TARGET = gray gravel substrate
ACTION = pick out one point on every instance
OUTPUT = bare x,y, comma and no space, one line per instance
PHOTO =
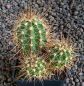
66,16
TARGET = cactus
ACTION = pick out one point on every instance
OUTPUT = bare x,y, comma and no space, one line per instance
37,69
61,55
34,67
34,40
31,36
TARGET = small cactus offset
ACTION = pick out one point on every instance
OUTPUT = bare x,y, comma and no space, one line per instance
61,55
34,68
31,36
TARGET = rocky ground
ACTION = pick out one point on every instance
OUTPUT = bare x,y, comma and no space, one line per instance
65,16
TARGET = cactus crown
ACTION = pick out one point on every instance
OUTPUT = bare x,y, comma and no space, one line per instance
31,36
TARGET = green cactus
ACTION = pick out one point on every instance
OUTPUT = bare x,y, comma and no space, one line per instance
37,69
31,36
34,67
61,55
60,58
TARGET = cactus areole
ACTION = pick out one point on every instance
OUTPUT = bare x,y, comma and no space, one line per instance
31,36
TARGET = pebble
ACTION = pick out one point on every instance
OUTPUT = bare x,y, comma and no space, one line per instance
67,80
80,73
77,80
73,83
8,6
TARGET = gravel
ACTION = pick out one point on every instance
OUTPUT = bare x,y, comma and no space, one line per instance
65,16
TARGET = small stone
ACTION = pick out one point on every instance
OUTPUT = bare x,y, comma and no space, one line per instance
51,18
75,66
77,80
67,80
8,6
80,73
76,17
3,25
73,83
76,12
71,78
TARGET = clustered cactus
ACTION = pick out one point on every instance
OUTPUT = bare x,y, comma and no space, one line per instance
31,38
